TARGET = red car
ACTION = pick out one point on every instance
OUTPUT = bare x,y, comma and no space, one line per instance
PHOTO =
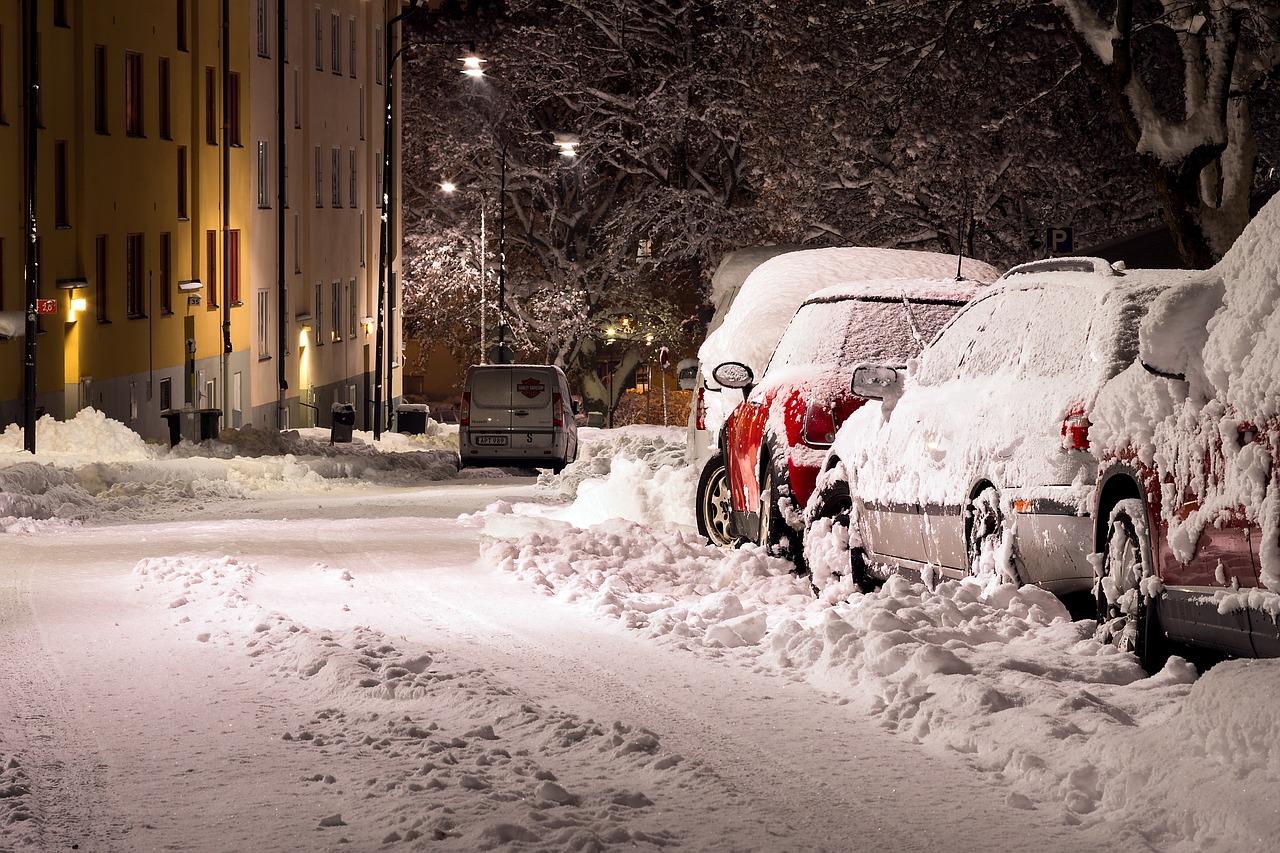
1188,498
774,441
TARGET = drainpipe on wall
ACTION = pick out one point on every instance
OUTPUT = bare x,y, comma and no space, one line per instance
226,211
282,286
31,88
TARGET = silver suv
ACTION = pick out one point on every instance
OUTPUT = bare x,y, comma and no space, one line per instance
977,460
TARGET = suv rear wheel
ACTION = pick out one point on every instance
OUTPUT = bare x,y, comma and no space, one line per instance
834,557
1126,614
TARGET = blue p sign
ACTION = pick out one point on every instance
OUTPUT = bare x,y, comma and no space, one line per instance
1060,240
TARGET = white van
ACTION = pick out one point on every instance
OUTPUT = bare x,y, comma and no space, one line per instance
517,414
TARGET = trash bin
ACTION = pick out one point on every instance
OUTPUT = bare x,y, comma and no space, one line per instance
194,425
411,418
595,419
344,420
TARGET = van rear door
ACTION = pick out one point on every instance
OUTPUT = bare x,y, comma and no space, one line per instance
531,395
490,400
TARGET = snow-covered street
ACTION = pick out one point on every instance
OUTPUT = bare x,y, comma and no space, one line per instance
315,651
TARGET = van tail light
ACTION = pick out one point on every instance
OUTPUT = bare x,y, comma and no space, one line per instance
464,416
819,429
1075,430
557,410
701,422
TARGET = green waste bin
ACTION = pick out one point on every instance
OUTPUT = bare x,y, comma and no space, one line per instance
343,422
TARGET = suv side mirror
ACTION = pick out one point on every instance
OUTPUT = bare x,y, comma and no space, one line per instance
876,382
734,374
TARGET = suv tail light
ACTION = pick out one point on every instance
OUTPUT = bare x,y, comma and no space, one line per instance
464,414
557,409
1075,430
701,422
819,428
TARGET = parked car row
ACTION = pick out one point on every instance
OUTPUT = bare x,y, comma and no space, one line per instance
1077,425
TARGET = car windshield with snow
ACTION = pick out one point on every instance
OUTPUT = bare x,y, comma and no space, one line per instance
979,461
774,441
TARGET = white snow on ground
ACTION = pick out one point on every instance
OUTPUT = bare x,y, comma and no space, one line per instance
999,676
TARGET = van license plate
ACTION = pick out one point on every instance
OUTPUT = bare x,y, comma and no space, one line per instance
490,440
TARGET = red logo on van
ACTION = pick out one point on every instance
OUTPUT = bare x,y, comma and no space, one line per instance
531,388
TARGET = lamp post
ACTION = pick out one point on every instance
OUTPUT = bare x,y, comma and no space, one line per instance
471,66
450,188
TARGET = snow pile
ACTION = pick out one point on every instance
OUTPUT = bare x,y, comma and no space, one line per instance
666,584
94,467
636,472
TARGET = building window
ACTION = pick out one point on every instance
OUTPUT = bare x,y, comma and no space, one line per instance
100,88
162,87
335,163
182,182
133,261
166,273
297,244
233,107
377,55
363,238
335,42
181,19
284,51
319,178
377,178
264,177
362,112
351,40
297,99
166,394
319,39
352,305
60,13
319,314
210,106
284,175
264,324
211,268
100,282
233,266
337,311
351,162
61,206
133,93
264,49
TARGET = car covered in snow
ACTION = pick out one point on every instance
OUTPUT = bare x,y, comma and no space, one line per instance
977,460
757,292
774,441
1188,498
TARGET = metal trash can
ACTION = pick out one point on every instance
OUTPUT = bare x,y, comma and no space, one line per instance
343,421
411,418
194,425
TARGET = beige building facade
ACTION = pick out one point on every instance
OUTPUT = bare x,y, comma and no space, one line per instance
193,261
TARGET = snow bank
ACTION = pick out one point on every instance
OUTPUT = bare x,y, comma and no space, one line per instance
92,467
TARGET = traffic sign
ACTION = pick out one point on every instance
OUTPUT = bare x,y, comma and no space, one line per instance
1060,239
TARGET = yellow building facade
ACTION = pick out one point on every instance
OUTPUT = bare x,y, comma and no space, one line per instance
159,209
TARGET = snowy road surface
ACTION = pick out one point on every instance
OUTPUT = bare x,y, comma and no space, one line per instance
342,673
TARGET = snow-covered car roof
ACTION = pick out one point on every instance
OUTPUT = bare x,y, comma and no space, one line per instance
777,287
948,290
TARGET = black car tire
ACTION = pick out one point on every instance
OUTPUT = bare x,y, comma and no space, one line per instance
712,505
1127,617
833,502
776,536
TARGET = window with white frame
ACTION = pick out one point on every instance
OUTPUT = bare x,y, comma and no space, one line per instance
319,178
264,48
377,55
319,314
337,310
264,178
335,169
351,39
335,42
351,162
352,305
264,323
319,39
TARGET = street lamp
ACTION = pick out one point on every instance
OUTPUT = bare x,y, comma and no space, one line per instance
470,62
449,188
